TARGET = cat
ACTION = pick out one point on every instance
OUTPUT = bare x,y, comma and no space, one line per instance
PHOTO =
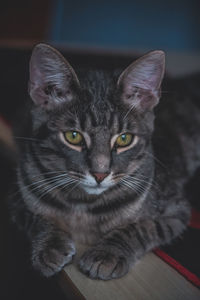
97,169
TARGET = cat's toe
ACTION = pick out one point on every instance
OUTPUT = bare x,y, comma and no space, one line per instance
103,265
50,260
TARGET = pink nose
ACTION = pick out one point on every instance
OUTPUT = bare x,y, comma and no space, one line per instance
100,176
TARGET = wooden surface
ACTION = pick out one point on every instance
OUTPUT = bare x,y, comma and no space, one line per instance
151,279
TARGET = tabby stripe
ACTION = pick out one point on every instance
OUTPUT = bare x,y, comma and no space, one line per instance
114,205
141,236
111,120
121,124
120,240
159,230
170,230
48,199
83,121
140,239
144,233
39,165
127,231
120,244
92,118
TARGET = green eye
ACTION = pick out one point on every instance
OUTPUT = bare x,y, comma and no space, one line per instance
73,137
124,139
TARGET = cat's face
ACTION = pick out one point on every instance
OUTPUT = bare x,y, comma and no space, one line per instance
98,125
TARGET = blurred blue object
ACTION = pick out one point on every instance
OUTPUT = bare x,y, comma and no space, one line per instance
128,24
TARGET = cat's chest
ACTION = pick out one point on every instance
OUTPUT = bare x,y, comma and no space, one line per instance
83,227
86,228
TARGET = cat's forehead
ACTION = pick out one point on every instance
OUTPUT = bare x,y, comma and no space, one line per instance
98,108
97,80
96,119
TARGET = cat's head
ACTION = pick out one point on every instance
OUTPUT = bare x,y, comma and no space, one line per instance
97,125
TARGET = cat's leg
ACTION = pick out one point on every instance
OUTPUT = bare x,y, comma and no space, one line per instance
121,248
51,247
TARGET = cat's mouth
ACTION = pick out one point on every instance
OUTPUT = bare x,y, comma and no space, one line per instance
91,187
96,190
88,183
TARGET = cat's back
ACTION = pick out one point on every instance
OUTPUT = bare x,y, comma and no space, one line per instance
177,125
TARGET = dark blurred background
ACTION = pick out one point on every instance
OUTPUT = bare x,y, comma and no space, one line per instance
92,34
114,26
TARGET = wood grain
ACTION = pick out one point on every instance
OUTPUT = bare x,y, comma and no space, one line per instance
151,278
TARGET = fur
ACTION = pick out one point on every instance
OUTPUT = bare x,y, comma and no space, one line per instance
141,203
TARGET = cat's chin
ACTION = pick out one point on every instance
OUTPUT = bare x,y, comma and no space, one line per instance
94,190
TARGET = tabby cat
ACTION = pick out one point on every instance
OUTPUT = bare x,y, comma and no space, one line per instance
93,169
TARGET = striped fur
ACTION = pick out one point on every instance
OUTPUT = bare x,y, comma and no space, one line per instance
142,204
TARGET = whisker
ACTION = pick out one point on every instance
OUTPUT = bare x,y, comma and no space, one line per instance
54,187
138,183
45,187
50,172
131,108
124,182
78,183
48,180
44,183
137,178
77,174
137,186
68,184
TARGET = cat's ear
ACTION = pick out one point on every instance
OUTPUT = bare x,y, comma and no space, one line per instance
140,82
52,79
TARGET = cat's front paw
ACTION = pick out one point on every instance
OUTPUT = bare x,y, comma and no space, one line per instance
50,256
103,264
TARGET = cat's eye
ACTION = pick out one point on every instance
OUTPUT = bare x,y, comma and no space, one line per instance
73,137
124,140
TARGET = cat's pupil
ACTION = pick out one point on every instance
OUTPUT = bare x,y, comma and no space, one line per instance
74,134
123,137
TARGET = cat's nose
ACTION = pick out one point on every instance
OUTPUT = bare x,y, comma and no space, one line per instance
100,176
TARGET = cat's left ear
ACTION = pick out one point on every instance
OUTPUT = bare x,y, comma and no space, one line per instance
52,79
140,82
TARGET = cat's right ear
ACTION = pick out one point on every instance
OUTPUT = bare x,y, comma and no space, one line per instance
52,79
140,82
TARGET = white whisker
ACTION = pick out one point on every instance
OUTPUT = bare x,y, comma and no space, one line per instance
44,183
124,182
54,187
133,107
46,180
78,183
149,182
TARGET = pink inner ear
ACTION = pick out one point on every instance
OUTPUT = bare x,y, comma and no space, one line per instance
141,99
37,85
144,77
141,82
38,95
145,73
35,75
149,99
49,68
